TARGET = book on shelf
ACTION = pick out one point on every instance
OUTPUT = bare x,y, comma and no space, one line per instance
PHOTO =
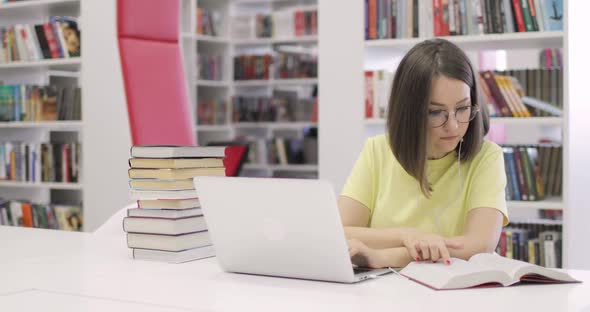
175,204
174,151
207,22
533,171
57,38
377,88
288,22
39,103
40,162
168,242
550,58
164,226
544,84
283,106
210,67
164,213
174,257
484,269
212,112
535,243
385,19
286,66
174,163
39,215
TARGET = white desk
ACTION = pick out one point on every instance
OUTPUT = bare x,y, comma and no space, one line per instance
42,270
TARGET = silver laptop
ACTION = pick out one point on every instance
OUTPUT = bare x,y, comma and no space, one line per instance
278,227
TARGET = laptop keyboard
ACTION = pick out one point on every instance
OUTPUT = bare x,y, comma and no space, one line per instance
359,270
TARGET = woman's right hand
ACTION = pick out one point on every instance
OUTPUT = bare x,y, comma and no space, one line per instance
427,246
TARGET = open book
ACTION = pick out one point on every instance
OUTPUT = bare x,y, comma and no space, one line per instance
481,270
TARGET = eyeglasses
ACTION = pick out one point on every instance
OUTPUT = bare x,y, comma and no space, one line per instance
464,114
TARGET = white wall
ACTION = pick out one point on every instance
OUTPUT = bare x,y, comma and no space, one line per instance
577,158
341,50
106,137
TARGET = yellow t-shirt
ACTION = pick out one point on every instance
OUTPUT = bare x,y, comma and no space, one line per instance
395,200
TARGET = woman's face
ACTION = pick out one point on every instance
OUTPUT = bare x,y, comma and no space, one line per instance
447,97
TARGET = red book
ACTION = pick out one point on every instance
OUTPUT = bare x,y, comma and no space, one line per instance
369,101
518,16
51,41
547,58
299,23
488,77
437,17
503,244
444,16
372,19
314,23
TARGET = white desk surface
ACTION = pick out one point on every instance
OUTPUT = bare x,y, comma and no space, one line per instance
47,270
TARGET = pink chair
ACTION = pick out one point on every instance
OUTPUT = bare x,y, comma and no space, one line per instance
153,72
154,77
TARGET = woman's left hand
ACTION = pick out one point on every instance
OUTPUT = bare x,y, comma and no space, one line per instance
364,256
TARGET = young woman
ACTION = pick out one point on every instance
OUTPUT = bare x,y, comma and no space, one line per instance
431,188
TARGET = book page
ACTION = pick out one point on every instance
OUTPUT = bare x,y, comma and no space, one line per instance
511,267
459,274
519,270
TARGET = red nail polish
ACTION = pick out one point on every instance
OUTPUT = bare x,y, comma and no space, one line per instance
448,262
433,261
418,259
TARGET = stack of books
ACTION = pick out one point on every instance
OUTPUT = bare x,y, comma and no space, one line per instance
168,224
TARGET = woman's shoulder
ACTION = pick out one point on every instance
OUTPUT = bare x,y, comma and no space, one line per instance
378,143
489,148
489,152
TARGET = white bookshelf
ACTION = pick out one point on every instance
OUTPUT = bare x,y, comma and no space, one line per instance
267,41
225,44
43,72
528,40
212,83
555,203
73,125
66,64
31,5
528,121
206,38
274,125
42,185
275,82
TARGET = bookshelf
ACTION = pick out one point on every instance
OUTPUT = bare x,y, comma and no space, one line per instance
525,121
227,44
60,72
342,90
527,40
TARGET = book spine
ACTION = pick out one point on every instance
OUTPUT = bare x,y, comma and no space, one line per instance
517,9
521,179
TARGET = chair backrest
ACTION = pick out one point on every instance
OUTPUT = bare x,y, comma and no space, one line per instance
153,72
154,77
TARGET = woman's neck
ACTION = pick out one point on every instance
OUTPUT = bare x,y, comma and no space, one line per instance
435,156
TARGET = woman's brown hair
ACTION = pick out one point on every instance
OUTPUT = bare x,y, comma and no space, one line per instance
407,124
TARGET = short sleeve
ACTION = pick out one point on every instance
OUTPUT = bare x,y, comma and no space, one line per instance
488,184
360,183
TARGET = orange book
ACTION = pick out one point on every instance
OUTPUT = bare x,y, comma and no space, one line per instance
199,21
509,101
517,99
27,210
